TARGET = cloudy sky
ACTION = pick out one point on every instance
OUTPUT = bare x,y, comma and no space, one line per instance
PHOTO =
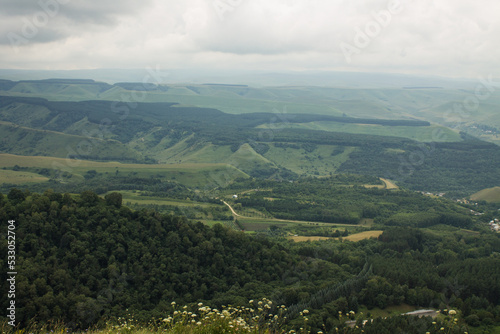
457,38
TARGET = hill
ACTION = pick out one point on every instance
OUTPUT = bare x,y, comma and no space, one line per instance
266,145
489,195
443,103
26,141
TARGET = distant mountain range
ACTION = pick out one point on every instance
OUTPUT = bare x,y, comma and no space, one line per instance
245,77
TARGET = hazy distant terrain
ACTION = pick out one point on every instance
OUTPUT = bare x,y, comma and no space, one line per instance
274,132
445,105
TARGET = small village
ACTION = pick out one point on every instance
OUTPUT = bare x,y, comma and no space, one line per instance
495,225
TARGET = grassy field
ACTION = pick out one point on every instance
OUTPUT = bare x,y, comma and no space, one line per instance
19,177
389,184
388,311
363,235
251,225
353,237
27,141
489,195
303,239
444,230
320,161
201,175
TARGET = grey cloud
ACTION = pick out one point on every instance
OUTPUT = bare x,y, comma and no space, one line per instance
58,19
446,36
19,7
102,12
16,38
79,10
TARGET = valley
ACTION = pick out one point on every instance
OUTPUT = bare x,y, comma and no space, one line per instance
309,197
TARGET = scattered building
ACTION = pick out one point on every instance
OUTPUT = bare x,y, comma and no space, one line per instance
495,225
423,313
426,193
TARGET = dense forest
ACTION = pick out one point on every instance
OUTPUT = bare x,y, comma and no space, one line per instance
82,258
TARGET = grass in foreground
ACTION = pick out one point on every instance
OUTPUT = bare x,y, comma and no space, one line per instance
260,317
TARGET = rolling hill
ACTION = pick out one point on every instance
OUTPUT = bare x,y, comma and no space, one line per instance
491,195
281,144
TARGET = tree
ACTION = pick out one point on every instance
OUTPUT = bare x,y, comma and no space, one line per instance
16,195
114,199
89,198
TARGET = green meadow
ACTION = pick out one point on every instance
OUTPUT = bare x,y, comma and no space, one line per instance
196,175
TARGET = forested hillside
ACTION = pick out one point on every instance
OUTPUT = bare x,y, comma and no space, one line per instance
83,258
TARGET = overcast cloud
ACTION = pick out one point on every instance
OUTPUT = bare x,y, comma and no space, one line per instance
456,38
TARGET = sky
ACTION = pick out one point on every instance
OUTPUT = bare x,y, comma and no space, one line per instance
451,38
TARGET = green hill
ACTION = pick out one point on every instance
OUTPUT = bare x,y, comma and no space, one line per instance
268,145
489,195
436,105
25,141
